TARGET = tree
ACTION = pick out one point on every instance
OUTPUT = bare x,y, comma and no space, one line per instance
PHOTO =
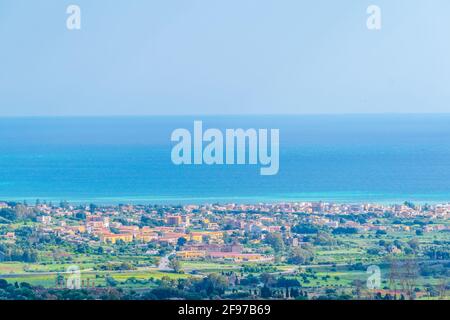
80,216
3,284
8,214
100,250
414,244
409,205
275,241
266,292
92,207
304,229
60,281
175,264
287,283
301,256
343,230
267,279
181,241
359,286
110,281
324,239
213,284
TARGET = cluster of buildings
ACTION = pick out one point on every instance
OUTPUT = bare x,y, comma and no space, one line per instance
219,231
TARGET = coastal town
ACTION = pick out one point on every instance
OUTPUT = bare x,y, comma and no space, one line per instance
299,242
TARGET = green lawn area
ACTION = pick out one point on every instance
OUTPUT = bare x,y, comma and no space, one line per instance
204,266
48,280
155,274
11,267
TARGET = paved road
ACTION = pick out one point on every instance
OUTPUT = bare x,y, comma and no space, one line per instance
164,262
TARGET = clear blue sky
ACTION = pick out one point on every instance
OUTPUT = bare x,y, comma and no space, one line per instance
223,57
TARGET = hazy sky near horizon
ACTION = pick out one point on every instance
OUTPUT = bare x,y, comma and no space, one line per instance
223,57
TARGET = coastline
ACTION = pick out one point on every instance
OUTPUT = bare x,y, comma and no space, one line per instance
338,198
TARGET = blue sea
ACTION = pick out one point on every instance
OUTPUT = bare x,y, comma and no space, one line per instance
341,158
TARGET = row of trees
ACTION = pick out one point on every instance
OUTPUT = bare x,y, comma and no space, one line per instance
12,252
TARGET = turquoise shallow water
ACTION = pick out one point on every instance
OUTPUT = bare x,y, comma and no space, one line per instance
351,158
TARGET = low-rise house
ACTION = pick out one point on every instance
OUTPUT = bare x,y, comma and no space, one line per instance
113,238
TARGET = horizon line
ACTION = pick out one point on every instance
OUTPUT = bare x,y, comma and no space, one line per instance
227,115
